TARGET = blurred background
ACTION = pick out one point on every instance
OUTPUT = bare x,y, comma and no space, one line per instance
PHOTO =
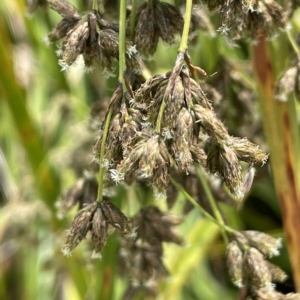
46,140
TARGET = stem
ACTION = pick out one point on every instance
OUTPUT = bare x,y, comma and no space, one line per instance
122,67
212,202
95,5
293,42
132,19
282,133
122,42
186,27
203,211
182,49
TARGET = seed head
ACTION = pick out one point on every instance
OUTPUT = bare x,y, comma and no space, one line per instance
251,18
99,231
256,270
223,160
277,274
115,217
266,244
79,228
234,258
155,20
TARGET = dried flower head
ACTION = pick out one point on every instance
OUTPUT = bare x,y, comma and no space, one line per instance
251,17
247,264
165,126
95,217
256,270
266,244
99,231
154,20
115,217
148,158
235,263
80,227
90,36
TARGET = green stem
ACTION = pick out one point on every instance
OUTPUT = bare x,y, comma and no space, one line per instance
122,42
95,5
182,49
122,67
212,202
132,19
203,211
293,42
186,27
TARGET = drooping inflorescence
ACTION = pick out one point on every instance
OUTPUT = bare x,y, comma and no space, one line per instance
166,126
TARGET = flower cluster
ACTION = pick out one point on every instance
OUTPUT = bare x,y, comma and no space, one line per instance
95,218
90,36
248,267
171,124
249,18
154,20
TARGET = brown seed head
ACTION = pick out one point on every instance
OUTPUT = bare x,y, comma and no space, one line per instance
99,231
146,35
223,160
79,228
64,8
115,217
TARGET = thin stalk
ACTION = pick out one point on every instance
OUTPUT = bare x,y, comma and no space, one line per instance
293,42
133,18
122,41
186,27
182,49
122,67
212,203
95,5
203,211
